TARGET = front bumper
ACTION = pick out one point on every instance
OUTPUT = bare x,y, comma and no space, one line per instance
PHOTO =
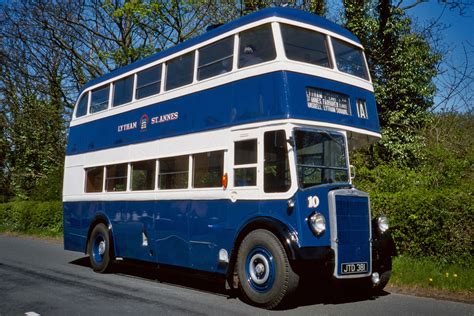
320,260
314,260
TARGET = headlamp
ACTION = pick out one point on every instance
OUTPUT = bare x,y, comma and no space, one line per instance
382,223
317,224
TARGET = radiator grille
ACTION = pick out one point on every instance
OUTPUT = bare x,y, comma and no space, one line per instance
353,230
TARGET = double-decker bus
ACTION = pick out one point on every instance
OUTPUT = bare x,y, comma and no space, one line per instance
229,154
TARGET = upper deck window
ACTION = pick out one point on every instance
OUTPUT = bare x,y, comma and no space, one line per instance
179,71
216,59
82,105
256,46
100,99
349,59
123,90
148,82
305,45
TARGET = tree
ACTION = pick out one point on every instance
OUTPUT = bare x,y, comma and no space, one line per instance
402,66
314,6
50,49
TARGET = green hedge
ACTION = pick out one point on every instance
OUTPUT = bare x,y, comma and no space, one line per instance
44,218
430,223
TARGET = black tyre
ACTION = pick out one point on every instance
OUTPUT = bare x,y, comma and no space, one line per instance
264,270
384,278
99,249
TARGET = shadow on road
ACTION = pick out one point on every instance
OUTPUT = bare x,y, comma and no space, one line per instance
201,281
327,293
312,292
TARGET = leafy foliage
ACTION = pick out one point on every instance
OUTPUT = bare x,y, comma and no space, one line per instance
402,66
437,224
39,143
32,217
431,207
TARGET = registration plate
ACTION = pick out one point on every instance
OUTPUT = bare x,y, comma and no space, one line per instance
354,267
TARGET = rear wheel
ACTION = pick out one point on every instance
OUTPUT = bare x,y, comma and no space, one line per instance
99,249
264,271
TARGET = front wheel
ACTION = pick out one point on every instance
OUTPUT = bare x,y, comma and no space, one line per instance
264,271
99,249
384,278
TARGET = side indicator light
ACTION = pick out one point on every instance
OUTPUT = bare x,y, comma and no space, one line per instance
224,181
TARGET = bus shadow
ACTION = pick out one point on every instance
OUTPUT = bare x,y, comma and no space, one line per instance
327,294
165,274
309,293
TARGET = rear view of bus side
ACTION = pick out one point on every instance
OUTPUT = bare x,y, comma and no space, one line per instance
229,153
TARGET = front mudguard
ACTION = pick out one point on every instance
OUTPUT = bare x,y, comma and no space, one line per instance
383,249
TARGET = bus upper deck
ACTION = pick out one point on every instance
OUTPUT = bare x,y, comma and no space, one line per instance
274,64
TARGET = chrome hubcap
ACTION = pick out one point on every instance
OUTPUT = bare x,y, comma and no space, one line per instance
101,247
259,268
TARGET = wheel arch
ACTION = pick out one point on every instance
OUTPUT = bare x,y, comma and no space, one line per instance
287,237
101,218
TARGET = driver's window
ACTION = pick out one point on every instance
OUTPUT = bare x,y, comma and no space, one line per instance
276,167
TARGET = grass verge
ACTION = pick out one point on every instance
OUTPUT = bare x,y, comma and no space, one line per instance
430,274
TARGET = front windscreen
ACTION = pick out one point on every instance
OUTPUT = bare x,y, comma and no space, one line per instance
320,158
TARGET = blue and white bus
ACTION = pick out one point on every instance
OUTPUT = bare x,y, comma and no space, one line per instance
229,153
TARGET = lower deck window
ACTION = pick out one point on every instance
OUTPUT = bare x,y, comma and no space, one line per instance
94,179
245,161
244,177
208,169
173,173
143,175
116,178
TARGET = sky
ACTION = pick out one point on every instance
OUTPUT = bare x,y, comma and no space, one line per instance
459,27
458,32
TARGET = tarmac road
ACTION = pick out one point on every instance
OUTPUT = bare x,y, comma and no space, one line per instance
38,276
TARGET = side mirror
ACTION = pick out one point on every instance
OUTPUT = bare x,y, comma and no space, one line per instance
352,170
